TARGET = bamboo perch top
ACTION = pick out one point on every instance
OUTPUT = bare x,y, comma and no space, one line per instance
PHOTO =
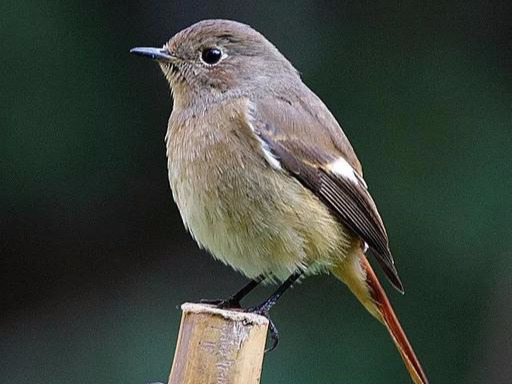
218,346
228,314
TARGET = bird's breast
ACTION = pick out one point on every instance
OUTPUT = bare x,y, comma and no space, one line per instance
249,215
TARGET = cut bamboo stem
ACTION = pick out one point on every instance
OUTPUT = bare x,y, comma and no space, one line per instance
218,346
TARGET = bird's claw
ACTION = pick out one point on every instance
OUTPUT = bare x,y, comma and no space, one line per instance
228,303
274,334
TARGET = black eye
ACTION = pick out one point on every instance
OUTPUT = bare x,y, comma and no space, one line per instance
211,55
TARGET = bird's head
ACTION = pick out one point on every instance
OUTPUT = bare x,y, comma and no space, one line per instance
216,59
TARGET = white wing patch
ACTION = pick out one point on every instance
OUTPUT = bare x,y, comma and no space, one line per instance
342,168
267,153
271,159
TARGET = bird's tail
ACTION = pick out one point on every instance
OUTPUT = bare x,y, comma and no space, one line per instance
359,276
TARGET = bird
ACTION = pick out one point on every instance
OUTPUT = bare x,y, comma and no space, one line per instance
264,176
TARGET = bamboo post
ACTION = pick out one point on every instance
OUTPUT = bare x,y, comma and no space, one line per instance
218,346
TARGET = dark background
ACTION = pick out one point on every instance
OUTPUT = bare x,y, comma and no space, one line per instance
94,257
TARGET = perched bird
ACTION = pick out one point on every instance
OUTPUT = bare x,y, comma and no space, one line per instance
264,176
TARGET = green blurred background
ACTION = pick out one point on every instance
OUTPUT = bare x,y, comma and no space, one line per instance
94,257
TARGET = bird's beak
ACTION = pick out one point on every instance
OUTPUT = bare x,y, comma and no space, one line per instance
159,54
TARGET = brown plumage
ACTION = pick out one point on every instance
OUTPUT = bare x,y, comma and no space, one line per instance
262,173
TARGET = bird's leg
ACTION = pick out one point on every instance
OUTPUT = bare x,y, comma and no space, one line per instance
264,308
233,301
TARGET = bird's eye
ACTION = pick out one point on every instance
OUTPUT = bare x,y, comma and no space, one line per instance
211,55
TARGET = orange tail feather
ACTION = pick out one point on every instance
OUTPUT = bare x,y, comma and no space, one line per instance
363,282
393,325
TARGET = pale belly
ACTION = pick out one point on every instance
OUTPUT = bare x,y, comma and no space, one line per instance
256,219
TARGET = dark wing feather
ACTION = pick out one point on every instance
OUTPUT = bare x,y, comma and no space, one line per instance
351,203
355,209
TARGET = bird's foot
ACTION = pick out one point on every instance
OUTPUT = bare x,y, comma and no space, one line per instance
263,310
233,301
230,302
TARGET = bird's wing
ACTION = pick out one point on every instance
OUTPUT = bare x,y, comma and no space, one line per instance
312,148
